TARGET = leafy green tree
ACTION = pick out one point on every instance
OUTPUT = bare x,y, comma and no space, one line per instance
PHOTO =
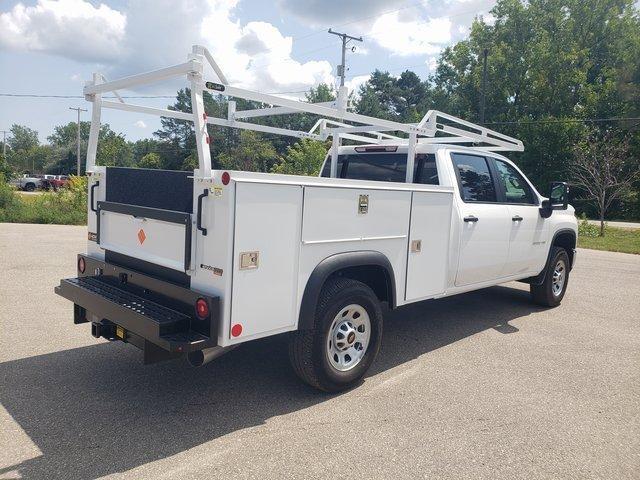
6,172
302,158
65,136
113,148
253,154
22,138
604,170
322,93
150,160
190,163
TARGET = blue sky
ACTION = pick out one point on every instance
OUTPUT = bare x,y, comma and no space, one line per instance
51,47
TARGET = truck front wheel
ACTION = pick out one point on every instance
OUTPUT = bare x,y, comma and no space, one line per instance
30,187
551,291
345,340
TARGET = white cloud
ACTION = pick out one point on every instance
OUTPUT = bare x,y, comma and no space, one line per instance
354,83
149,34
71,28
432,64
400,27
257,55
326,13
411,36
140,124
359,50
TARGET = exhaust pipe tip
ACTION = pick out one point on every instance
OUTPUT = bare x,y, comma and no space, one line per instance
202,357
196,359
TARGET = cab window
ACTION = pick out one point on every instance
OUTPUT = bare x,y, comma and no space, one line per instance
384,167
426,171
516,188
474,178
381,167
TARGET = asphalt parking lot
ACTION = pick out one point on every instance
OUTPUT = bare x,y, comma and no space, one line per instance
483,385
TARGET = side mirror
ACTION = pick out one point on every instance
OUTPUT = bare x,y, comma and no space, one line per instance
558,199
559,195
545,208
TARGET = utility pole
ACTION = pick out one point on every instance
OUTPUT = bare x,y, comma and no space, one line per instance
485,52
4,144
345,39
78,109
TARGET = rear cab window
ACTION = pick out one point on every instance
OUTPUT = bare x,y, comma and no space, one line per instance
384,167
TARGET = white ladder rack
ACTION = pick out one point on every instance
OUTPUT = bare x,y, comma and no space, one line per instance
435,127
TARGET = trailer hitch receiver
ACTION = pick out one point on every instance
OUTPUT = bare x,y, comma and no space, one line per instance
104,328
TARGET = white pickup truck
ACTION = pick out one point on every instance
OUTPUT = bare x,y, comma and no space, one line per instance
27,183
196,263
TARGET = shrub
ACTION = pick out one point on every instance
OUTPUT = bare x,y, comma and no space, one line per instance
67,206
9,201
586,229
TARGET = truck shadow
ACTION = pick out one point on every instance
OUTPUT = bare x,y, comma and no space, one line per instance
94,411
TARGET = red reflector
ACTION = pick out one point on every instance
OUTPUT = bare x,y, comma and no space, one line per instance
202,308
81,265
226,178
236,330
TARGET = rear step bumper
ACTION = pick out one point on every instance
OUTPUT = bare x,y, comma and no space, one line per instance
152,314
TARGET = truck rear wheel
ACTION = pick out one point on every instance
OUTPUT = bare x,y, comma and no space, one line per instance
551,291
30,187
345,340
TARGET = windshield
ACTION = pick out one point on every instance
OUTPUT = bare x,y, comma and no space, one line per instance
384,167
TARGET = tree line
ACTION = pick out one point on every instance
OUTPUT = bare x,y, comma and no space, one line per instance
562,76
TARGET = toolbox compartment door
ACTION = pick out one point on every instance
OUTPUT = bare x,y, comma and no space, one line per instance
158,236
428,255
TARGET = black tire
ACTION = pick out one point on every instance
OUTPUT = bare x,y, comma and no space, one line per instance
308,349
546,293
30,187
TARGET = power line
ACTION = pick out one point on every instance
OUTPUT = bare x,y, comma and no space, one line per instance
367,35
567,120
345,39
34,95
416,4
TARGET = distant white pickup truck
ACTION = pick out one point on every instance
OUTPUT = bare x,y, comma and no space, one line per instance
27,183
199,262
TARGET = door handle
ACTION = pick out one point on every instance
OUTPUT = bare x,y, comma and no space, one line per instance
470,218
199,226
91,195
516,218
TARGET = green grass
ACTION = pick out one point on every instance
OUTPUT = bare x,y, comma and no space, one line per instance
615,240
68,206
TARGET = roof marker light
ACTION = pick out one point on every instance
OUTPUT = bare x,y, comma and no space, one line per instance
377,148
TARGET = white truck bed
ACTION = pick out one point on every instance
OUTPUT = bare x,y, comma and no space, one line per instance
293,223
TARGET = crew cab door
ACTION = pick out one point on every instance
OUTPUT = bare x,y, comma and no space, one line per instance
527,236
484,223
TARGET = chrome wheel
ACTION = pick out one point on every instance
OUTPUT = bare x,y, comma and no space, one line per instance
559,277
348,337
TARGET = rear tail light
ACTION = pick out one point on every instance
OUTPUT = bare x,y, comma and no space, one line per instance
202,308
81,264
226,178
